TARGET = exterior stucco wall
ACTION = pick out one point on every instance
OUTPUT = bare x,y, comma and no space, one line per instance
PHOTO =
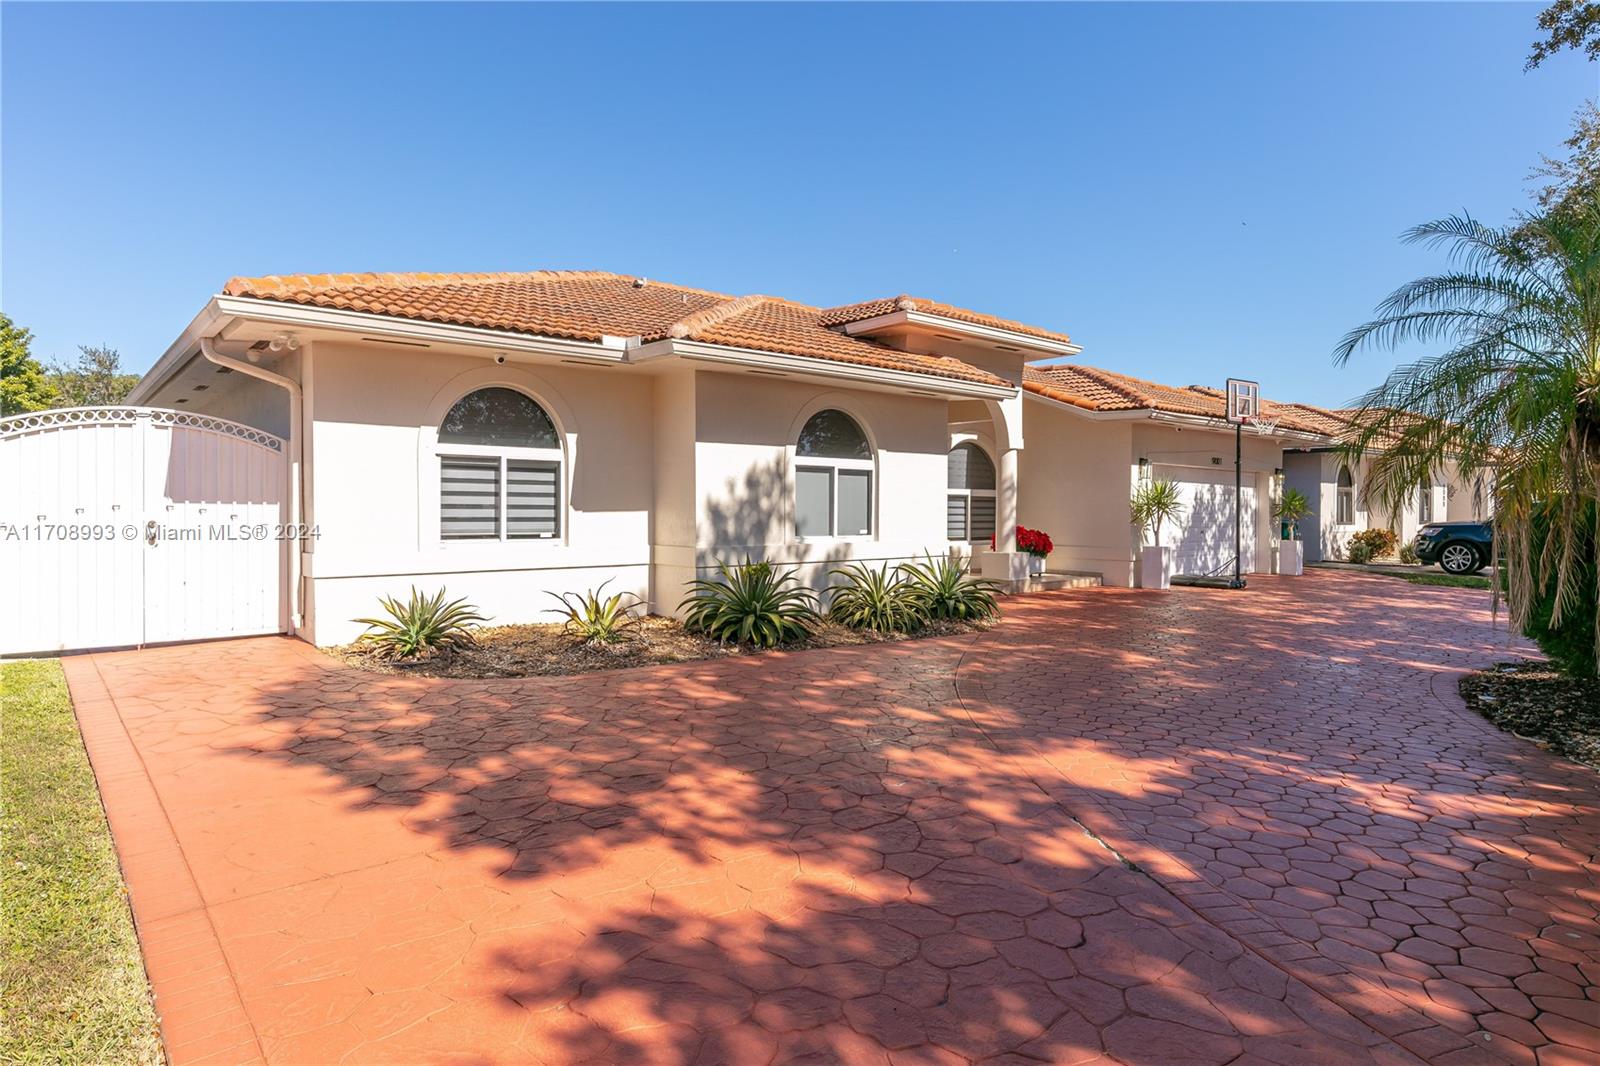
1205,449
745,432
1076,475
374,491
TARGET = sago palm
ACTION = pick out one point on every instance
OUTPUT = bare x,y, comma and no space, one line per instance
1515,394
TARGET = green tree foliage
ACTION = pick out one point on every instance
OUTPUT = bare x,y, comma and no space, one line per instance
23,384
1567,24
1515,394
96,379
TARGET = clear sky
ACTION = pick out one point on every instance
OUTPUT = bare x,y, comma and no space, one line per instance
1191,191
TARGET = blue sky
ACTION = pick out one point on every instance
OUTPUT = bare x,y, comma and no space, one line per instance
1191,191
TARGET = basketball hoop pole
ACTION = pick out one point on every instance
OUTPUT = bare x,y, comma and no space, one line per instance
1238,503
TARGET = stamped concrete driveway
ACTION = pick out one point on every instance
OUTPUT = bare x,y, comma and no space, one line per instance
1193,827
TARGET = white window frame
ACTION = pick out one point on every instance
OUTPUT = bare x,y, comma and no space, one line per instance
1344,499
1424,503
968,494
445,450
832,465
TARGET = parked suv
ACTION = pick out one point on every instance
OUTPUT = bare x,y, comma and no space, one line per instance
1458,547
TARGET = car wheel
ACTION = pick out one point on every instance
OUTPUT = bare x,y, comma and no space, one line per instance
1458,558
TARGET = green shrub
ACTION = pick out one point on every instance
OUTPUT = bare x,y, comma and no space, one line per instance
877,600
425,625
1408,554
946,591
594,620
1371,544
751,604
1571,646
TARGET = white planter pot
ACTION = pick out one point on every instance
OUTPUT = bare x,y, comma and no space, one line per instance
1291,558
1155,568
1035,565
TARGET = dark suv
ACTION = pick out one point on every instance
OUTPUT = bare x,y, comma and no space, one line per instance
1458,547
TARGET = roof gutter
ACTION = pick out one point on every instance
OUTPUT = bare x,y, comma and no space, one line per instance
965,330
296,452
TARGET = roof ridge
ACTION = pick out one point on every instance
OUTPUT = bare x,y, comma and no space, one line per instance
275,283
689,325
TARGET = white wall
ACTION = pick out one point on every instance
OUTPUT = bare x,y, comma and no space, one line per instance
1076,476
374,417
745,431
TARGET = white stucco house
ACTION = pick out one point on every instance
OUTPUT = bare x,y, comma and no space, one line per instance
506,436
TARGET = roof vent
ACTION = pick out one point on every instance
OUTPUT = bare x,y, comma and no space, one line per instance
640,283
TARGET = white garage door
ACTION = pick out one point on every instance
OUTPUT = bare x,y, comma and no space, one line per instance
128,525
1203,537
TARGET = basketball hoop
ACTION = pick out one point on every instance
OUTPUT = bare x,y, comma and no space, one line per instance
1244,406
1264,426
1244,401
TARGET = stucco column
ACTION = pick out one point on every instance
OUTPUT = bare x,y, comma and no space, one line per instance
1005,503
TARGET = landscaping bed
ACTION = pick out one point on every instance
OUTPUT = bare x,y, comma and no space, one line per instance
1539,703
536,650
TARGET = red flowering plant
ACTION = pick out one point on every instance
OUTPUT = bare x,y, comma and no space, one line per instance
1032,541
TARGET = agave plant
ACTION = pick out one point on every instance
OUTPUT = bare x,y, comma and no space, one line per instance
945,590
877,600
1515,393
423,625
594,620
755,603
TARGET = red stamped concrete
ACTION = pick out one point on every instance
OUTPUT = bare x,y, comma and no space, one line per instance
897,854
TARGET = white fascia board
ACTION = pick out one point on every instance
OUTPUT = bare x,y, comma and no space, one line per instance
205,324
1210,425
1145,414
971,330
221,311
606,350
808,366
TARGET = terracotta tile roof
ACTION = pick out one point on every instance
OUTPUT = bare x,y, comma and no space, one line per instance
589,305
838,316
1103,390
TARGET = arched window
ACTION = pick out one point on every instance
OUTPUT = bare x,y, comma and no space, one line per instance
969,509
499,469
1345,499
832,478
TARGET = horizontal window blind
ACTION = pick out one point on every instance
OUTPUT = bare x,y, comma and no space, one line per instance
532,489
955,517
982,517
469,497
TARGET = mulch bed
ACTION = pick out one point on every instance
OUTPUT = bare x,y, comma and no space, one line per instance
545,651
1540,704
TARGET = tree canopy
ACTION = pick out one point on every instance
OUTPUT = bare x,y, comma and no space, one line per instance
24,385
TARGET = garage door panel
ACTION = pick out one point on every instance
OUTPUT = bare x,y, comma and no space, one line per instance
1202,538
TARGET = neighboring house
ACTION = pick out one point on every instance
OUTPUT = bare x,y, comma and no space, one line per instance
510,435
1094,434
1340,506
506,436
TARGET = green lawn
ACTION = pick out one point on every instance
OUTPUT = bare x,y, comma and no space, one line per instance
73,988
1455,581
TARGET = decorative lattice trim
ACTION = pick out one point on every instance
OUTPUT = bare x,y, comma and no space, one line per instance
60,418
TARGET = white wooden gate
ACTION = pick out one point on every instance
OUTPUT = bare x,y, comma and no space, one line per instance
122,526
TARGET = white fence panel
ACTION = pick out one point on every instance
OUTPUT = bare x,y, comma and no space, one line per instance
122,526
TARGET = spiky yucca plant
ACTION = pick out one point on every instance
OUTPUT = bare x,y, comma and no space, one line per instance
1153,503
755,603
423,625
879,600
946,590
1514,395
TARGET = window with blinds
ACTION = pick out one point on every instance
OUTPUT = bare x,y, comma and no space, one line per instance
532,493
970,507
469,497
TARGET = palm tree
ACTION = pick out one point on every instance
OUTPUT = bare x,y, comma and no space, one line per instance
1515,395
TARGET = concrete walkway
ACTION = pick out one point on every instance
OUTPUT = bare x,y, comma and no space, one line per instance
1124,826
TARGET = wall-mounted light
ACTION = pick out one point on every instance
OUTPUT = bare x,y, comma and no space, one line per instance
284,342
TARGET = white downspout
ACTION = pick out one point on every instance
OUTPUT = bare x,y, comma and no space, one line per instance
296,450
